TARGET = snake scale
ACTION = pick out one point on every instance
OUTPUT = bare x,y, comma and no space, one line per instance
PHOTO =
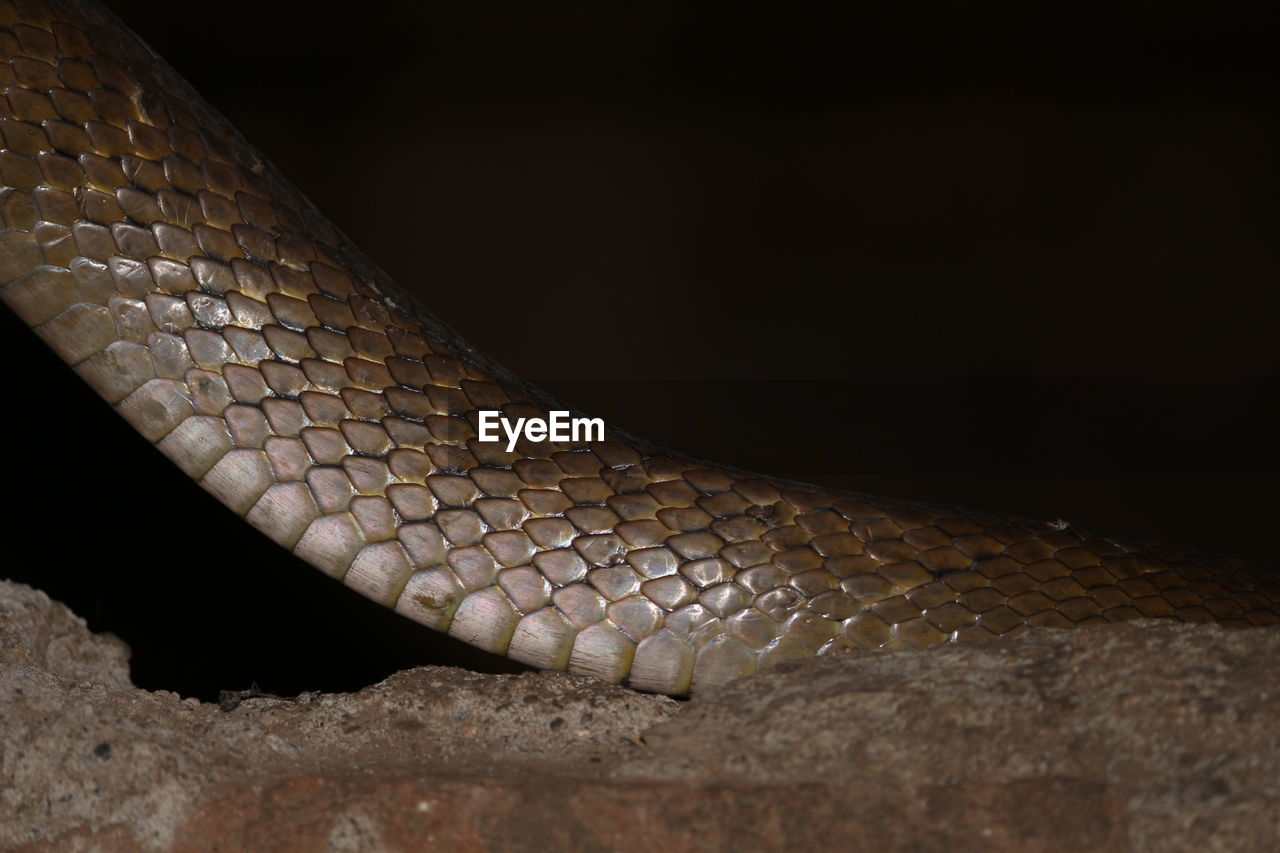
225,319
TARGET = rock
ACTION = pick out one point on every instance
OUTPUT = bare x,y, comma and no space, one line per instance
1146,736
1155,736
38,632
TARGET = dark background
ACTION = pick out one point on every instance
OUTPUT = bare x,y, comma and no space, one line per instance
962,253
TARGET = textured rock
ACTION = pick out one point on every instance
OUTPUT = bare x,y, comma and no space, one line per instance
1138,736
36,632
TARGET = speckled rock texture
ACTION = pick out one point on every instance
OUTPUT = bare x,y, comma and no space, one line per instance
1139,736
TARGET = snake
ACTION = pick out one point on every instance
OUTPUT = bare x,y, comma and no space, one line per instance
202,296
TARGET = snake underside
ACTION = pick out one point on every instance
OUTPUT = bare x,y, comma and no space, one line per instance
231,324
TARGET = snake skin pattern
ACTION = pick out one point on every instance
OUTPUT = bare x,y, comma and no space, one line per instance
229,322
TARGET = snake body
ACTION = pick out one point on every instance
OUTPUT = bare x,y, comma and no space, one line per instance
198,292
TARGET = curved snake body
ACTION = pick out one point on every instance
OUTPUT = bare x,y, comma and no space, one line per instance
230,323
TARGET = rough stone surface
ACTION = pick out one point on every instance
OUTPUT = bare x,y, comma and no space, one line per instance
1139,736
36,632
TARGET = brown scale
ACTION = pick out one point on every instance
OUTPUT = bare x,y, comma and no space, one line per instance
188,283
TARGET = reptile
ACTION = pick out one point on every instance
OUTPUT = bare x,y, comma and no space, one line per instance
181,276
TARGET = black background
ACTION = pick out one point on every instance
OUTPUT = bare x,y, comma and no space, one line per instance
966,253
